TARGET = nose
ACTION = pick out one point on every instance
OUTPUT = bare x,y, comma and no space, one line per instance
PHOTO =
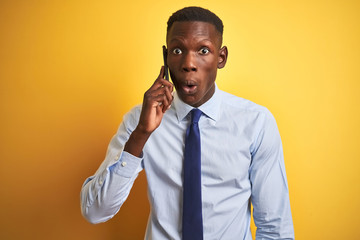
189,62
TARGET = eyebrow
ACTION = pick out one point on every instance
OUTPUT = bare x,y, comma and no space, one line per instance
202,40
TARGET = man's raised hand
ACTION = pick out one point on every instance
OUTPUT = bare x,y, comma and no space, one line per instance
157,100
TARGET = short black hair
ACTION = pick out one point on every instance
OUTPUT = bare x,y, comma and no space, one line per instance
192,14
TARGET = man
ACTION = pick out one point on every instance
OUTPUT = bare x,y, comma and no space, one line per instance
240,160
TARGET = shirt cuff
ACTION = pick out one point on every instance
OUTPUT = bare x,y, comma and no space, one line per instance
127,165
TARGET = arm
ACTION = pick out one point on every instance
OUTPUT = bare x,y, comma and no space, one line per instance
270,195
103,194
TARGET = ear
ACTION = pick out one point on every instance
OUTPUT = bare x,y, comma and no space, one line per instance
223,54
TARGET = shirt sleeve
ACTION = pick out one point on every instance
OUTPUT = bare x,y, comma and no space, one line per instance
270,195
103,194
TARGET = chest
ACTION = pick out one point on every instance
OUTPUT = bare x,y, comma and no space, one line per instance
225,150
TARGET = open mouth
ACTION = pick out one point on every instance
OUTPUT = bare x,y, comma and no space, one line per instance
189,88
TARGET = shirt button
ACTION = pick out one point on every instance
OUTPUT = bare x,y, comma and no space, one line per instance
101,182
123,164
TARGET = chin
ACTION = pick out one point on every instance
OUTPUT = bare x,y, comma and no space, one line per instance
190,100
194,102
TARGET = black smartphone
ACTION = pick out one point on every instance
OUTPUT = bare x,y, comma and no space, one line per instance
165,63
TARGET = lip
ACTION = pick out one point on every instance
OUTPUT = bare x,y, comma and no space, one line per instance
189,89
189,86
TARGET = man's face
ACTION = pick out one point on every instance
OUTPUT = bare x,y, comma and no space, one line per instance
194,55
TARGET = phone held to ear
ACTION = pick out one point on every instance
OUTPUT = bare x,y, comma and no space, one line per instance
166,76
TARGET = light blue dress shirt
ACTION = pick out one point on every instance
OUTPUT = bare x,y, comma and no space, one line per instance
241,160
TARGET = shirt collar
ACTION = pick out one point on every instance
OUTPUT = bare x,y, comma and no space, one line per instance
210,108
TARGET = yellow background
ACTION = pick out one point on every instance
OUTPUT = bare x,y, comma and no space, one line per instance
69,71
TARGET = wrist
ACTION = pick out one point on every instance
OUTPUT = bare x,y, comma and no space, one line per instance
136,142
142,131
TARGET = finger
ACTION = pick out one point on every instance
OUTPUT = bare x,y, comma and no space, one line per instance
159,110
159,98
168,98
160,81
165,101
162,73
160,76
165,82
159,88
165,108
162,85
166,90
168,94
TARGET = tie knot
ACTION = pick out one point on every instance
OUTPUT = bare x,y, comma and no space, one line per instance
195,115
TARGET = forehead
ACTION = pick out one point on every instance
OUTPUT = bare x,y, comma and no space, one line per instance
193,30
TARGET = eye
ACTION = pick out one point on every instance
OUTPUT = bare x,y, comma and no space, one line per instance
204,51
177,51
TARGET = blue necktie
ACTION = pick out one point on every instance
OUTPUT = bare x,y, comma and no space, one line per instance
192,210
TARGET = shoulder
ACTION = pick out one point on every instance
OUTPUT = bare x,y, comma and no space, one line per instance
243,111
239,104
